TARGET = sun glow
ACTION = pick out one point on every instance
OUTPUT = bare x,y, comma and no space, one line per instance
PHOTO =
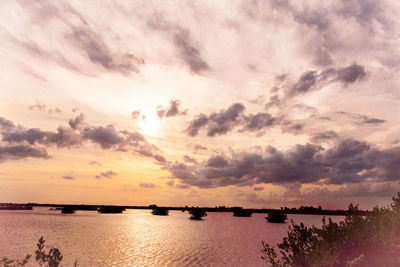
150,124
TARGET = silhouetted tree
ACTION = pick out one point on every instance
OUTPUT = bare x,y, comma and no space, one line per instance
360,240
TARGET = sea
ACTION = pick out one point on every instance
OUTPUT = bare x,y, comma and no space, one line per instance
138,238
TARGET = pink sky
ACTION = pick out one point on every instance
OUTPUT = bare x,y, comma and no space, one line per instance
251,103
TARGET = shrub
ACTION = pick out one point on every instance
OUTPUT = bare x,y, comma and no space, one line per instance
197,213
43,258
370,240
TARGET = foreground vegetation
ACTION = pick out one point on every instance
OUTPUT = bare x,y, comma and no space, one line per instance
360,240
43,258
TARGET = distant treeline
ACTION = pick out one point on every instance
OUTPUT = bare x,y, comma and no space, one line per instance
300,210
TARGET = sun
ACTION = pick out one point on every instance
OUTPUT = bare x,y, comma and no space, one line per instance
150,124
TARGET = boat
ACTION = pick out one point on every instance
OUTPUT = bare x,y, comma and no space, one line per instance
276,217
111,209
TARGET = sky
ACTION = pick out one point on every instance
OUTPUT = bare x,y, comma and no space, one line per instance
265,103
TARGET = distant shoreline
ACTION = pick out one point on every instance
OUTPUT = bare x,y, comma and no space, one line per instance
310,210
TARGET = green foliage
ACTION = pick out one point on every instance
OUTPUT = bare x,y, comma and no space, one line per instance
43,258
371,240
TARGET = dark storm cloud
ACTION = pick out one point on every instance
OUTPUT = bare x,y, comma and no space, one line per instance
108,174
17,152
172,110
349,161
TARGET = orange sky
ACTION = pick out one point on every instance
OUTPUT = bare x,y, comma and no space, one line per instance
257,104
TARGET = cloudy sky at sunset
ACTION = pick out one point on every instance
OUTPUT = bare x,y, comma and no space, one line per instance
251,103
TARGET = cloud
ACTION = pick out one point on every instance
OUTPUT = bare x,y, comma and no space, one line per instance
196,124
94,162
313,80
147,185
6,125
170,183
183,42
68,177
99,53
188,51
350,74
75,123
348,161
199,147
38,106
172,110
17,152
64,137
182,186
108,174
361,119
258,188
136,114
324,136
258,101
217,123
107,137
259,121
189,159
307,82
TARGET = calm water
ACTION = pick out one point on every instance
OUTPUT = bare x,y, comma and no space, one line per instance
138,238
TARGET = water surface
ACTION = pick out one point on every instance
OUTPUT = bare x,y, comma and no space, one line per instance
138,238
